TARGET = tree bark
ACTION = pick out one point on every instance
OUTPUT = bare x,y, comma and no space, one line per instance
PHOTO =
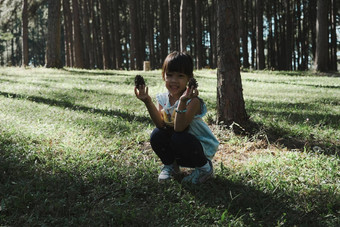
87,37
104,33
53,45
134,34
259,34
245,54
78,39
321,54
24,33
150,33
68,33
230,103
183,25
116,24
171,26
198,29
333,54
163,28
289,35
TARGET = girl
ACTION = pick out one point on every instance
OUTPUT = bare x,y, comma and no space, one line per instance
180,138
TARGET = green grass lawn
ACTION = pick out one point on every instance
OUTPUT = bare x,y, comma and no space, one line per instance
74,151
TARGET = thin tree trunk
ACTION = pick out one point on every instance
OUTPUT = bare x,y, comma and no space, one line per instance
68,33
134,34
53,45
171,26
321,54
24,33
253,34
149,30
183,25
333,63
289,36
118,46
78,40
245,54
163,28
104,33
198,26
259,34
86,32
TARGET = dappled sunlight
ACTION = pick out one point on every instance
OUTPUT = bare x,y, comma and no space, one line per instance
77,141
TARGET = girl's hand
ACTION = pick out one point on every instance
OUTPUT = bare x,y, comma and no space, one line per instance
142,93
189,94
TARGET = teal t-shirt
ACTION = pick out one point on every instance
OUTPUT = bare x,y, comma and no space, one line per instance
197,127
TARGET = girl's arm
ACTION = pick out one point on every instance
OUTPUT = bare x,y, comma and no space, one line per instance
142,94
185,113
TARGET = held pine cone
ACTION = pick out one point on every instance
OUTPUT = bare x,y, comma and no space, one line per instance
193,82
139,80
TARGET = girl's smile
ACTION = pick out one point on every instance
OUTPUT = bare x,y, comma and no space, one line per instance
176,83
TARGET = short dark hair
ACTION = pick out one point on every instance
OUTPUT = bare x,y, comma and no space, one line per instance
178,62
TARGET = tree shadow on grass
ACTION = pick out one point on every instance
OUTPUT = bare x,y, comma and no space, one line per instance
34,194
283,138
36,191
254,207
66,104
296,115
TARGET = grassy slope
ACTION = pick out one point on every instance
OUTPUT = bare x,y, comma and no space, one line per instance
74,150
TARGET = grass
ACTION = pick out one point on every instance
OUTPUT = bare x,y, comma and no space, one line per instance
74,151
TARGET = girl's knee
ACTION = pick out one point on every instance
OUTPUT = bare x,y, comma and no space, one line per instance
158,136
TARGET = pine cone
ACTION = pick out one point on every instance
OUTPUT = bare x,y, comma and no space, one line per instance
139,80
193,82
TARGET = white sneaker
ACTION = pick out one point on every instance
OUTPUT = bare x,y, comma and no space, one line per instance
167,172
199,176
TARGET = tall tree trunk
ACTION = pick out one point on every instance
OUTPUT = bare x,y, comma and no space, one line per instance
253,34
150,33
259,34
312,13
105,35
183,25
86,32
211,29
97,44
245,54
306,23
163,28
78,39
333,54
321,54
24,33
53,45
68,33
134,34
270,40
112,30
198,26
298,40
230,103
289,36
171,26
116,24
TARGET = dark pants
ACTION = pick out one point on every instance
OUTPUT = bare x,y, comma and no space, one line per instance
181,147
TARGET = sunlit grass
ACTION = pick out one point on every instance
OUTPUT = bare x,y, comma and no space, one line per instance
74,151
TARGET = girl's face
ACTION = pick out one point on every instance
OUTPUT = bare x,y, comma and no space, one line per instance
176,83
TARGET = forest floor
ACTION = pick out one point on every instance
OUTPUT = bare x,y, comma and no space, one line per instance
74,151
